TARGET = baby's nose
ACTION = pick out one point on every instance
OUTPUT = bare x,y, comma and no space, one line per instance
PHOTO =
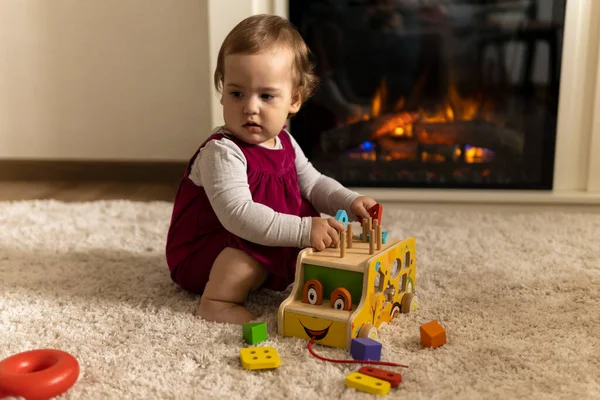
251,106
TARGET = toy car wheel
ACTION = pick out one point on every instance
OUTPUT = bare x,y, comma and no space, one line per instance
409,304
368,331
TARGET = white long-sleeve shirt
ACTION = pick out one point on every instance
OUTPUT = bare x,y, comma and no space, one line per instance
220,168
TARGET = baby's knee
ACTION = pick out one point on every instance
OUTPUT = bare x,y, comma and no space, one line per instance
234,275
237,266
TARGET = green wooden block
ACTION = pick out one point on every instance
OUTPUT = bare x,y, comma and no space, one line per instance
255,332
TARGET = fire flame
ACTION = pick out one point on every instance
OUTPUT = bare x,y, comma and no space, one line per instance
455,108
378,99
398,125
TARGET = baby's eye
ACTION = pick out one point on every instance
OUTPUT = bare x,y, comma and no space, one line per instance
266,96
236,94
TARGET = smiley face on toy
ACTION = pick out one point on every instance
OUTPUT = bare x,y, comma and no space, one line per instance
329,327
324,330
316,334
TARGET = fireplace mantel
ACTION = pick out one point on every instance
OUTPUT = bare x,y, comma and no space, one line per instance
577,158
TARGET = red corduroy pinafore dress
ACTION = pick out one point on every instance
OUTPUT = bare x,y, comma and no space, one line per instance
196,237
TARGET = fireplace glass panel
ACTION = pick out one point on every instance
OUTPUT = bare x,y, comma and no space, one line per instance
432,93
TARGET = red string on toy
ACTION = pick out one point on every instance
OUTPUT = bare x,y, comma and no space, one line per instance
389,364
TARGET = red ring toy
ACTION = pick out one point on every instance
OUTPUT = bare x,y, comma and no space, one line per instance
38,374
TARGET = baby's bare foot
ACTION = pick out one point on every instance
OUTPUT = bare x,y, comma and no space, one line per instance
221,311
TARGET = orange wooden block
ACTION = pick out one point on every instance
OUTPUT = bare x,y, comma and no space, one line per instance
432,334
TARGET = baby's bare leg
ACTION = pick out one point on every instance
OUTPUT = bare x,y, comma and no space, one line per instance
234,275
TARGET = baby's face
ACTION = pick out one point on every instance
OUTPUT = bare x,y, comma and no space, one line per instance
257,95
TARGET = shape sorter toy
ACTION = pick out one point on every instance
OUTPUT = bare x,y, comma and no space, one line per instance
350,291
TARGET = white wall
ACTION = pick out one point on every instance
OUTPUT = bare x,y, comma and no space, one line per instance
110,79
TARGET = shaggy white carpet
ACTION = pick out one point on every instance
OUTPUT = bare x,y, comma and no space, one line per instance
519,296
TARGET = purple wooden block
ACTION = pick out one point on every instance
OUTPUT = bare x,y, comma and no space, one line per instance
365,349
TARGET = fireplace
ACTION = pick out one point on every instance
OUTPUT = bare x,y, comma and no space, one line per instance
569,139
432,94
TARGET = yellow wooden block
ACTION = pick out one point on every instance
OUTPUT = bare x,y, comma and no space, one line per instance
367,383
259,358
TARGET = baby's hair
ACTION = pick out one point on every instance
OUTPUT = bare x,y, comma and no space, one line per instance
260,33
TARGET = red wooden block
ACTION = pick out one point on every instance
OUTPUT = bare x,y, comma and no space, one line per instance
392,377
376,212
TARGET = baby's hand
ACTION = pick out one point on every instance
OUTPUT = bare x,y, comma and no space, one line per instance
325,232
361,205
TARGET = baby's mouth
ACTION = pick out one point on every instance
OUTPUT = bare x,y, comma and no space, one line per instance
251,124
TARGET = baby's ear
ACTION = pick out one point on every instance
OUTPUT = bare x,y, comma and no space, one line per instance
296,102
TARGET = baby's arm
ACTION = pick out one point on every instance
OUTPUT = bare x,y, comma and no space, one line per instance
220,168
325,193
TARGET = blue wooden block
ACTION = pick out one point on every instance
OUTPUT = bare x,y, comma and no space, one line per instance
342,216
384,237
365,349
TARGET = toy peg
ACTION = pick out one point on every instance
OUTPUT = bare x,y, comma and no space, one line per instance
378,236
376,227
372,242
364,229
370,223
349,236
343,244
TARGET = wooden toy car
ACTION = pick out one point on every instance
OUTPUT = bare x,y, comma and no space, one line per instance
351,291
